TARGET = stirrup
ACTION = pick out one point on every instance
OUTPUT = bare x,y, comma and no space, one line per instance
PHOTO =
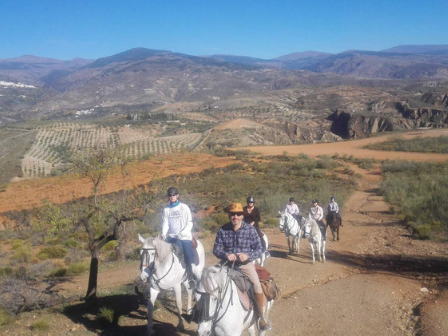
191,284
269,327
267,254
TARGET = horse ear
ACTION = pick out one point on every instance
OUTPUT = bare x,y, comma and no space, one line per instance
142,240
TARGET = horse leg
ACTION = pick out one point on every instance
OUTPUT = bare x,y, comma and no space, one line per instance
178,293
312,251
338,232
298,241
189,297
153,293
251,330
323,250
289,245
332,233
319,249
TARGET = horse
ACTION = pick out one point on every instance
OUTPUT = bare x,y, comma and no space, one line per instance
161,267
219,309
265,254
291,227
315,238
334,222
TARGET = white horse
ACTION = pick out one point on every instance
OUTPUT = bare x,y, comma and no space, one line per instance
220,310
161,267
315,238
265,254
288,224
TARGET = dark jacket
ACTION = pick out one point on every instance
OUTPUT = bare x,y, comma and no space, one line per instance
254,216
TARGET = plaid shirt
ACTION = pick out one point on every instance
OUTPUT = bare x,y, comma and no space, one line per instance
244,240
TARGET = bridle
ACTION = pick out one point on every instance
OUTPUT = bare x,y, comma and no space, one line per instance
151,265
222,291
286,227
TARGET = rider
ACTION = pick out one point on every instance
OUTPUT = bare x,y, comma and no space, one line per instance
317,213
252,217
238,242
333,207
177,224
293,209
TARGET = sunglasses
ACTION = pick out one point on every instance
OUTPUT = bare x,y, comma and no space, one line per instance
232,214
171,195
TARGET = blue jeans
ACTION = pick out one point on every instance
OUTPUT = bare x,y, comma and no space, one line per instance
186,247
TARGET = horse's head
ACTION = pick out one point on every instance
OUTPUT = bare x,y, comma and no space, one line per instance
152,249
282,220
309,226
207,295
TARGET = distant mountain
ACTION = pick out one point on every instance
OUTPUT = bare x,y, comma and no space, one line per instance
136,54
371,64
31,69
418,49
304,54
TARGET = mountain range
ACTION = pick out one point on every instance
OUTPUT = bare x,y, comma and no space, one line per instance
151,77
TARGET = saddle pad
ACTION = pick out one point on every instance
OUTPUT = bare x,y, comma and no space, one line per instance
244,299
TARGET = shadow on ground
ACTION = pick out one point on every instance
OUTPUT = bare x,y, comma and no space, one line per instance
405,265
124,305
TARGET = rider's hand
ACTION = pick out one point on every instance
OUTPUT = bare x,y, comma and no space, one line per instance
231,257
252,223
242,257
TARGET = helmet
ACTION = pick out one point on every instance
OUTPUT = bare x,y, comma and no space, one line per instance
172,190
331,198
250,199
291,199
314,201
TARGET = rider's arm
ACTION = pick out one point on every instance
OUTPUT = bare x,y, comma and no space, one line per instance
186,231
218,248
165,225
320,211
256,249
257,216
337,208
296,209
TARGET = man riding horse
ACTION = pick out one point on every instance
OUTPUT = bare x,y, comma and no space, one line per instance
238,241
317,213
293,209
333,208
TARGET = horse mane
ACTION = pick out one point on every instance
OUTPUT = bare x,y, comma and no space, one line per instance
162,247
210,279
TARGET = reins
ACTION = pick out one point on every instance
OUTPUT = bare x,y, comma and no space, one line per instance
154,269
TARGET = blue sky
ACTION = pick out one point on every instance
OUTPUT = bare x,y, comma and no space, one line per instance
65,29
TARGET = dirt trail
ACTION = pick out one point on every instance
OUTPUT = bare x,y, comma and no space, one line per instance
354,147
377,280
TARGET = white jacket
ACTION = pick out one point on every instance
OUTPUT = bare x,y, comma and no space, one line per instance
317,213
177,222
292,209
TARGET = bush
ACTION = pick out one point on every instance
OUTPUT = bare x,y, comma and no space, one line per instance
22,255
422,231
5,271
16,244
40,325
71,242
271,222
106,315
53,252
110,245
60,272
76,268
5,317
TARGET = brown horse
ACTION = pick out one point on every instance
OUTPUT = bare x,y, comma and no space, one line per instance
334,222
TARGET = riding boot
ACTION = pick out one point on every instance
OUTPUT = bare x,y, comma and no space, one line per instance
263,322
190,277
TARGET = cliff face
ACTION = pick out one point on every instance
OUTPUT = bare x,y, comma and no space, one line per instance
428,116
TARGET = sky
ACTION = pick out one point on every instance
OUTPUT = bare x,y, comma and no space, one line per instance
65,29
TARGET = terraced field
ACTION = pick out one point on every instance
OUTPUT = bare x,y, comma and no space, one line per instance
54,143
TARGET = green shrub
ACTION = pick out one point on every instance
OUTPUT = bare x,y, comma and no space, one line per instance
110,245
22,255
5,271
53,252
106,315
60,272
40,325
76,268
71,242
5,317
271,222
16,244
43,256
